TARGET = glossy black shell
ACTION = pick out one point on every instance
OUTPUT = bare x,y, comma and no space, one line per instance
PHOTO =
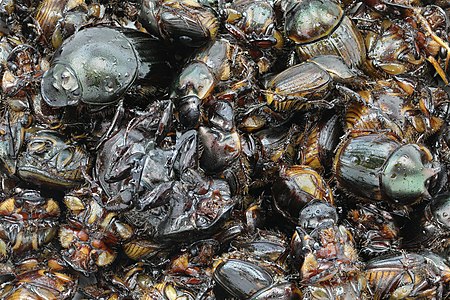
241,279
98,65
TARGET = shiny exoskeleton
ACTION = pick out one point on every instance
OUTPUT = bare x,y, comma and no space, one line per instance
220,141
28,221
187,210
391,52
283,291
375,230
99,65
185,22
324,252
241,279
23,70
219,149
192,267
408,110
222,151
297,186
378,166
14,124
407,276
136,282
253,22
318,143
266,248
307,84
321,28
50,159
130,163
54,20
401,46
261,259
90,237
268,150
431,229
219,69
42,276
6,46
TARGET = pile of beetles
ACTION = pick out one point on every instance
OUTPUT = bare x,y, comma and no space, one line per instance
219,149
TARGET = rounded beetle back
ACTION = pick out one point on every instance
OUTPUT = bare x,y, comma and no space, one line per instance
96,65
310,20
359,162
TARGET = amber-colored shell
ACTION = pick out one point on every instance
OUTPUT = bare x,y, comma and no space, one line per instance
138,249
296,187
403,274
311,20
49,13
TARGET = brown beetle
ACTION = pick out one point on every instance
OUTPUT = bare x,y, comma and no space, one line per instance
45,275
28,221
91,235
321,28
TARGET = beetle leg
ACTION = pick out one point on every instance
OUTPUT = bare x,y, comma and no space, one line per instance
438,68
433,35
115,124
321,103
120,201
186,153
165,124
92,181
132,157
156,197
420,290
292,59
250,109
238,88
350,94
237,32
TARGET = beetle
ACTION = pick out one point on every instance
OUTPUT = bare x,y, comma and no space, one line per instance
117,62
28,221
375,230
219,70
321,28
252,23
324,252
50,159
91,235
308,84
406,275
188,23
42,274
379,167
